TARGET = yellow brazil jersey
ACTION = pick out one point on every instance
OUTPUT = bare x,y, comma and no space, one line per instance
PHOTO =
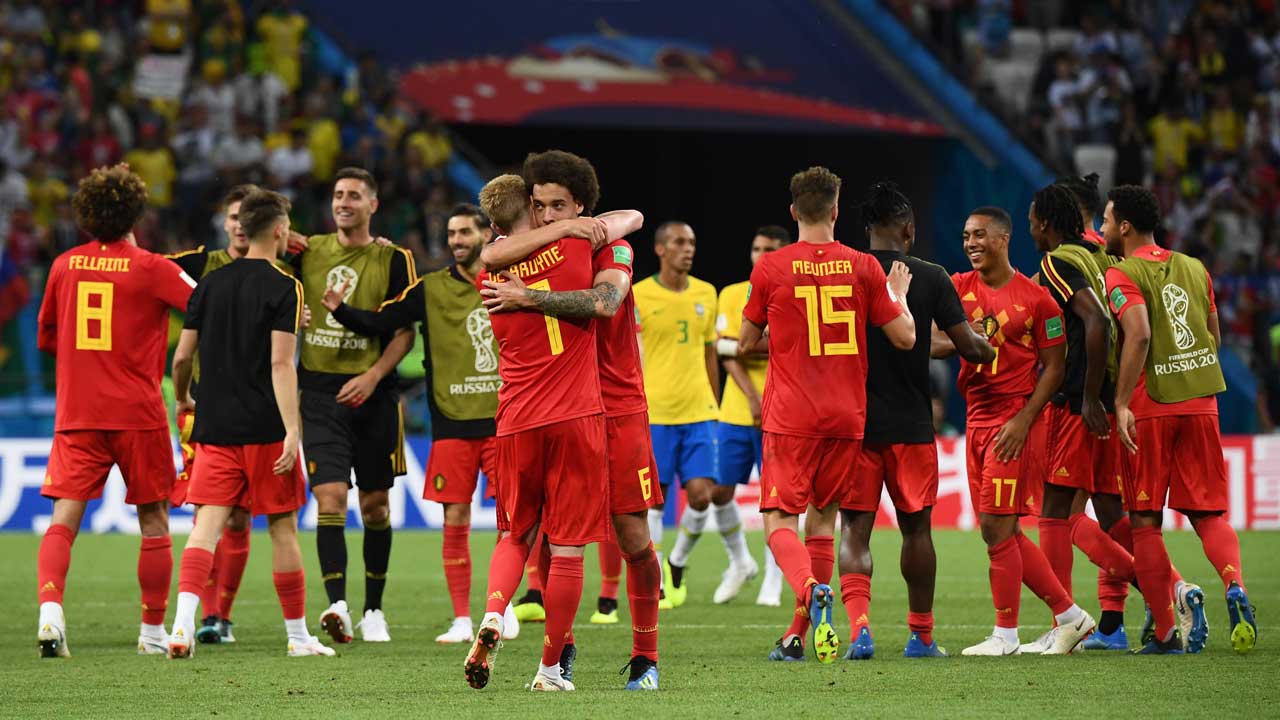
675,329
734,409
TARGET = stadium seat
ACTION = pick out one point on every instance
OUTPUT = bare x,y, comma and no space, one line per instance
1100,159
1062,39
1026,45
1013,80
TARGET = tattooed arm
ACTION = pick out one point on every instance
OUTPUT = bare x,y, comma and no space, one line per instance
601,301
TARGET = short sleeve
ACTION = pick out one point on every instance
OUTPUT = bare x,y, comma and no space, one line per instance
287,316
882,306
1049,329
617,255
757,309
1122,293
194,306
172,284
709,334
192,262
947,311
1062,279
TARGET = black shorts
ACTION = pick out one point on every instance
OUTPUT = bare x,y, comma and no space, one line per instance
337,439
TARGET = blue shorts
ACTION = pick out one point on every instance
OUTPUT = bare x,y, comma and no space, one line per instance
739,448
686,452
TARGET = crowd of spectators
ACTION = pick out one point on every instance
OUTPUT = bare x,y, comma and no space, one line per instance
1182,96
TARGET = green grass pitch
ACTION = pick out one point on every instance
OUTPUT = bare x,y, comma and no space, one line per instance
712,659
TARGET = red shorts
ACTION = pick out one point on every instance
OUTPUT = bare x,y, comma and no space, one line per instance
186,422
1179,456
633,480
243,476
1078,458
454,466
1002,488
908,470
557,475
802,471
81,459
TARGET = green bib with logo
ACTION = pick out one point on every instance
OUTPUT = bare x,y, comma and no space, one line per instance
1092,263
464,353
1182,363
327,346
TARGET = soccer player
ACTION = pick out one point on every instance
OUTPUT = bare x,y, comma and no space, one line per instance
232,552
738,434
1004,398
351,413
105,317
1088,202
461,366
898,449
1167,412
247,314
551,440
677,314
817,298
557,181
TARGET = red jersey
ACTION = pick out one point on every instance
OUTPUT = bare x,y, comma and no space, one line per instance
548,364
621,378
1094,237
1142,405
817,301
105,316
1020,319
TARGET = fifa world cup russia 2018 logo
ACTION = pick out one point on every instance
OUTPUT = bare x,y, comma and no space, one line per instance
1177,303
338,275
481,333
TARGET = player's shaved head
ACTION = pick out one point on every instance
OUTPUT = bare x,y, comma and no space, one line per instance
814,192
505,200
670,229
109,202
260,211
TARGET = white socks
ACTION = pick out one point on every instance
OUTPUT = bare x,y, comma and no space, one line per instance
494,615
551,672
152,630
730,524
772,573
1069,616
185,615
655,531
51,614
1009,635
691,525
297,628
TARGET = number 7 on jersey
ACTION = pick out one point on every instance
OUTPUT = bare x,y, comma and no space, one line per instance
553,324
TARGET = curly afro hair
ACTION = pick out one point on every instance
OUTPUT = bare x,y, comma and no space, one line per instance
566,169
109,202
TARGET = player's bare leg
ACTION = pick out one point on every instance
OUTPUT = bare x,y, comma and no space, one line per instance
291,585
197,563
644,579
855,580
375,511
331,546
456,556
919,564
742,567
155,573
53,562
813,599
698,494
563,593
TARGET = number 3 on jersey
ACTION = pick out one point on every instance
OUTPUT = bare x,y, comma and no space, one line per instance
553,324
93,302
819,309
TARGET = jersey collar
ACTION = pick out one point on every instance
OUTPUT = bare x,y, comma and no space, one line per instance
1152,252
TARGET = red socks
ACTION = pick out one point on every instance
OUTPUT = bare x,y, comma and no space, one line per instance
1005,576
155,572
209,603
1039,577
291,588
1222,547
855,591
1114,562
610,569
194,573
822,557
457,567
793,560
1151,562
231,558
1055,543
505,568
561,597
1122,532
53,561
921,624
644,579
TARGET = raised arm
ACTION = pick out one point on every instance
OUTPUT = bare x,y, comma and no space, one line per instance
901,330
514,248
401,311
601,301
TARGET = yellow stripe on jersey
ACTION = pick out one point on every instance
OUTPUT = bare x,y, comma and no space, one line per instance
675,330
401,296
1055,279
734,408
408,260
184,253
297,287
